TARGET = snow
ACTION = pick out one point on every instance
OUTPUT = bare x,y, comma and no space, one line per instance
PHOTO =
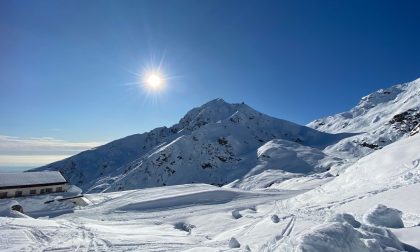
333,237
35,206
279,186
7,211
197,218
373,110
344,218
394,166
148,220
280,161
343,233
216,143
30,178
381,215
409,236
380,118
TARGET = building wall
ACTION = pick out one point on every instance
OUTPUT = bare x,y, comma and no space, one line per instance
11,193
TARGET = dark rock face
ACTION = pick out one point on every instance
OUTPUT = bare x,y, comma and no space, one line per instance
406,121
371,146
18,208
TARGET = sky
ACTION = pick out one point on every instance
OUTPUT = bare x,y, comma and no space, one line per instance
70,71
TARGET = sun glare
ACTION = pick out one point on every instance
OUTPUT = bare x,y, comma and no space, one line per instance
154,81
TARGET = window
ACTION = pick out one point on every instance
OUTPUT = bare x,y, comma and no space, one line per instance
59,189
3,195
48,190
18,194
42,191
32,191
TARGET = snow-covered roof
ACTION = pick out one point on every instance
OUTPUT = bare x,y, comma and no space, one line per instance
25,179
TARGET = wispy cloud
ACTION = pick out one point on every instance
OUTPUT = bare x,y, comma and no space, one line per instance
35,151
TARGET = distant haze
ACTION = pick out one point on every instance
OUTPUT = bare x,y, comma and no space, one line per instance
14,168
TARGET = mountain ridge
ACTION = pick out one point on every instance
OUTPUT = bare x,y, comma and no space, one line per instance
381,118
224,135
220,143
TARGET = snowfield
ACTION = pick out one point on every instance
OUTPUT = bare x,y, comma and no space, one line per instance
171,218
277,186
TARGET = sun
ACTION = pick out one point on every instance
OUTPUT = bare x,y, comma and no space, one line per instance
154,81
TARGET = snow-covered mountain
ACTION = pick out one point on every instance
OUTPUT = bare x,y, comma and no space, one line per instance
221,143
279,196
216,143
381,118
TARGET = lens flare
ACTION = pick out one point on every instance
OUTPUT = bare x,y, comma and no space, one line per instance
154,81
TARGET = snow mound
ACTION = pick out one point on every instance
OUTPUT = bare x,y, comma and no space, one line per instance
382,237
381,215
345,218
293,157
333,236
7,210
342,237
280,160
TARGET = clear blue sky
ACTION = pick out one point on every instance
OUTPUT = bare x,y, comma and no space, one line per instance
64,65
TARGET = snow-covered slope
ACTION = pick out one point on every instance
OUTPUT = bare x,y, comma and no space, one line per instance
388,176
280,160
215,143
381,117
375,111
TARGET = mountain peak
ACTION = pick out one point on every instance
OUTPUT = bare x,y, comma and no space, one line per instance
210,112
216,101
